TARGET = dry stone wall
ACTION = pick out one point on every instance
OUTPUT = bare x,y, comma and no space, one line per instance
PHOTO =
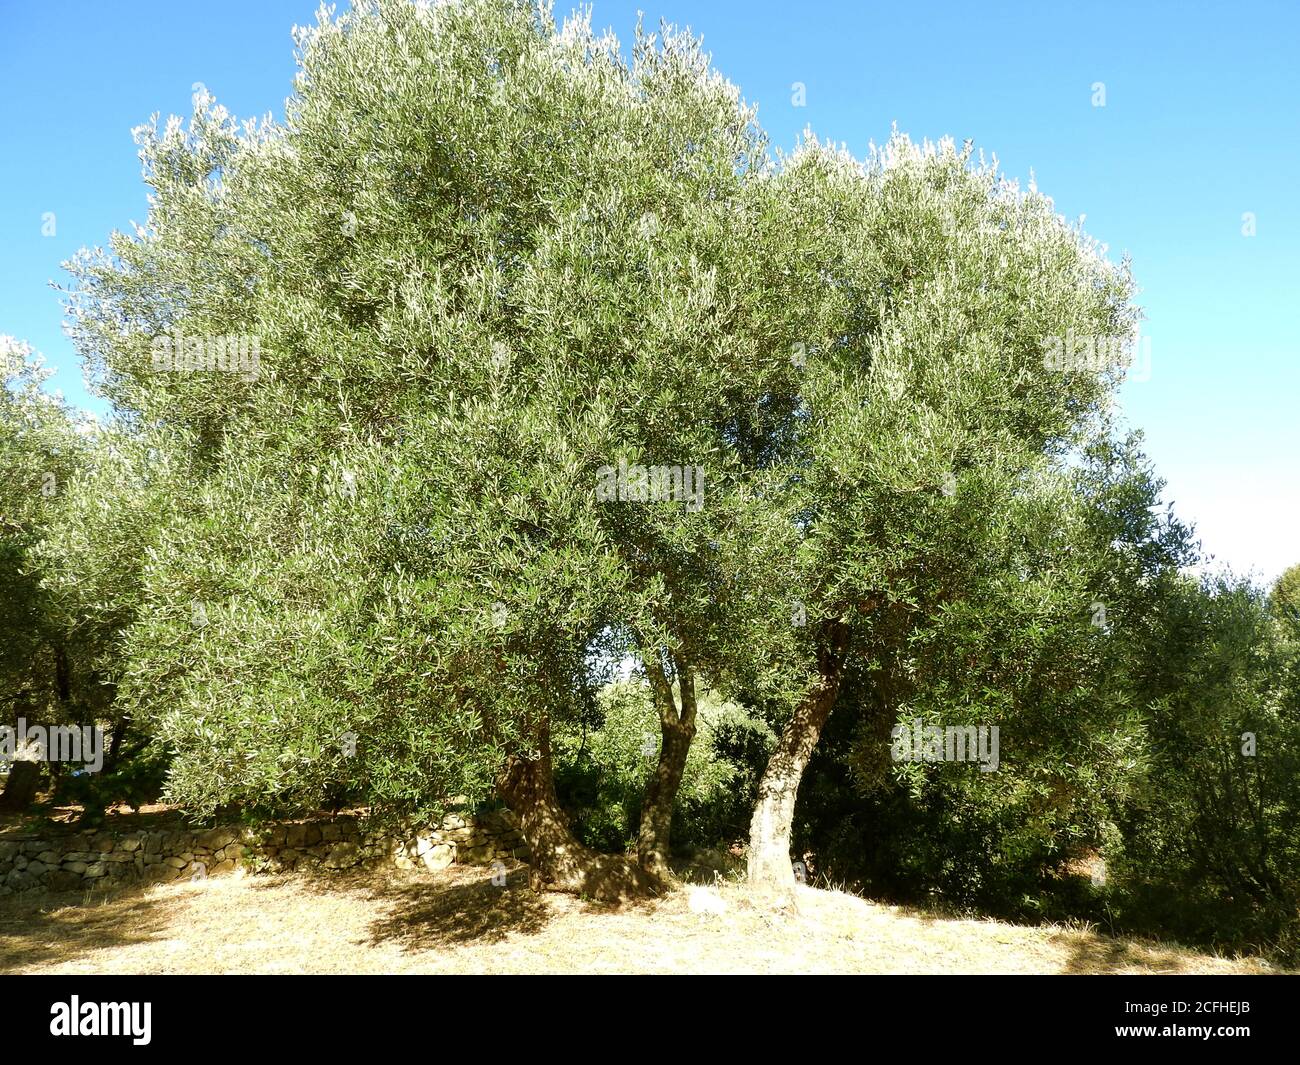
46,860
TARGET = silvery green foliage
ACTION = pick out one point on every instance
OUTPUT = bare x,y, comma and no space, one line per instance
924,290
96,551
931,463
483,257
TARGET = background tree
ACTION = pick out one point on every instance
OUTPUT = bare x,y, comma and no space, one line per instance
93,561
926,292
1012,648
1284,599
43,674
1210,836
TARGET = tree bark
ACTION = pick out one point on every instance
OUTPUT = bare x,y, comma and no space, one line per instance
558,862
770,866
115,748
22,785
24,779
677,730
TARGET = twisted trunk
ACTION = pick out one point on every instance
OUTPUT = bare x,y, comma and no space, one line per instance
558,862
769,831
677,730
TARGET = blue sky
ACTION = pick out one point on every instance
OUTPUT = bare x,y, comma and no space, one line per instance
1201,127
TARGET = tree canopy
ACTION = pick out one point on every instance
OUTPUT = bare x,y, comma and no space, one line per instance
508,364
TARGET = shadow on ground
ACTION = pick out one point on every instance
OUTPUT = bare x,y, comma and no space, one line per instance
1098,954
35,929
462,905
414,912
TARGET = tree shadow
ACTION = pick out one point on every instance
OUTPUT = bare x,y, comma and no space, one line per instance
39,928
1096,954
414,911
462,905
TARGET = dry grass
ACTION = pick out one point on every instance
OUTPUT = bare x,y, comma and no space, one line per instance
458,922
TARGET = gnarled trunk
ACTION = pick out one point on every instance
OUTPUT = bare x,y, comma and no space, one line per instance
653,837
769,831
558,861
676,730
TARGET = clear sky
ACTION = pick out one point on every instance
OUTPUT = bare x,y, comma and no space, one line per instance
1199,135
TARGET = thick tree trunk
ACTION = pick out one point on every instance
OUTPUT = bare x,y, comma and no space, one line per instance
653,837
21,787
24,778
676,730
770,866
115,747
558,861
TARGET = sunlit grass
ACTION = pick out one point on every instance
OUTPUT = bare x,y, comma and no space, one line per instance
458,922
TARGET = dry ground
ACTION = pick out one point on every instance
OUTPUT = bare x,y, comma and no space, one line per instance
458,922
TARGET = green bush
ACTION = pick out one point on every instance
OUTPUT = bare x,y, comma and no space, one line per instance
1211,837
135,780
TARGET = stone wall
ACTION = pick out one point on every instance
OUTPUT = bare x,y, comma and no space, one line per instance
49,860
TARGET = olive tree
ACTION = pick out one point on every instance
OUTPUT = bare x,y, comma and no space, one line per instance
44,673
950,324
404,346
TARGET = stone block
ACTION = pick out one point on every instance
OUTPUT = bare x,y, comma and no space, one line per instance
62,880
216,838
343,856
